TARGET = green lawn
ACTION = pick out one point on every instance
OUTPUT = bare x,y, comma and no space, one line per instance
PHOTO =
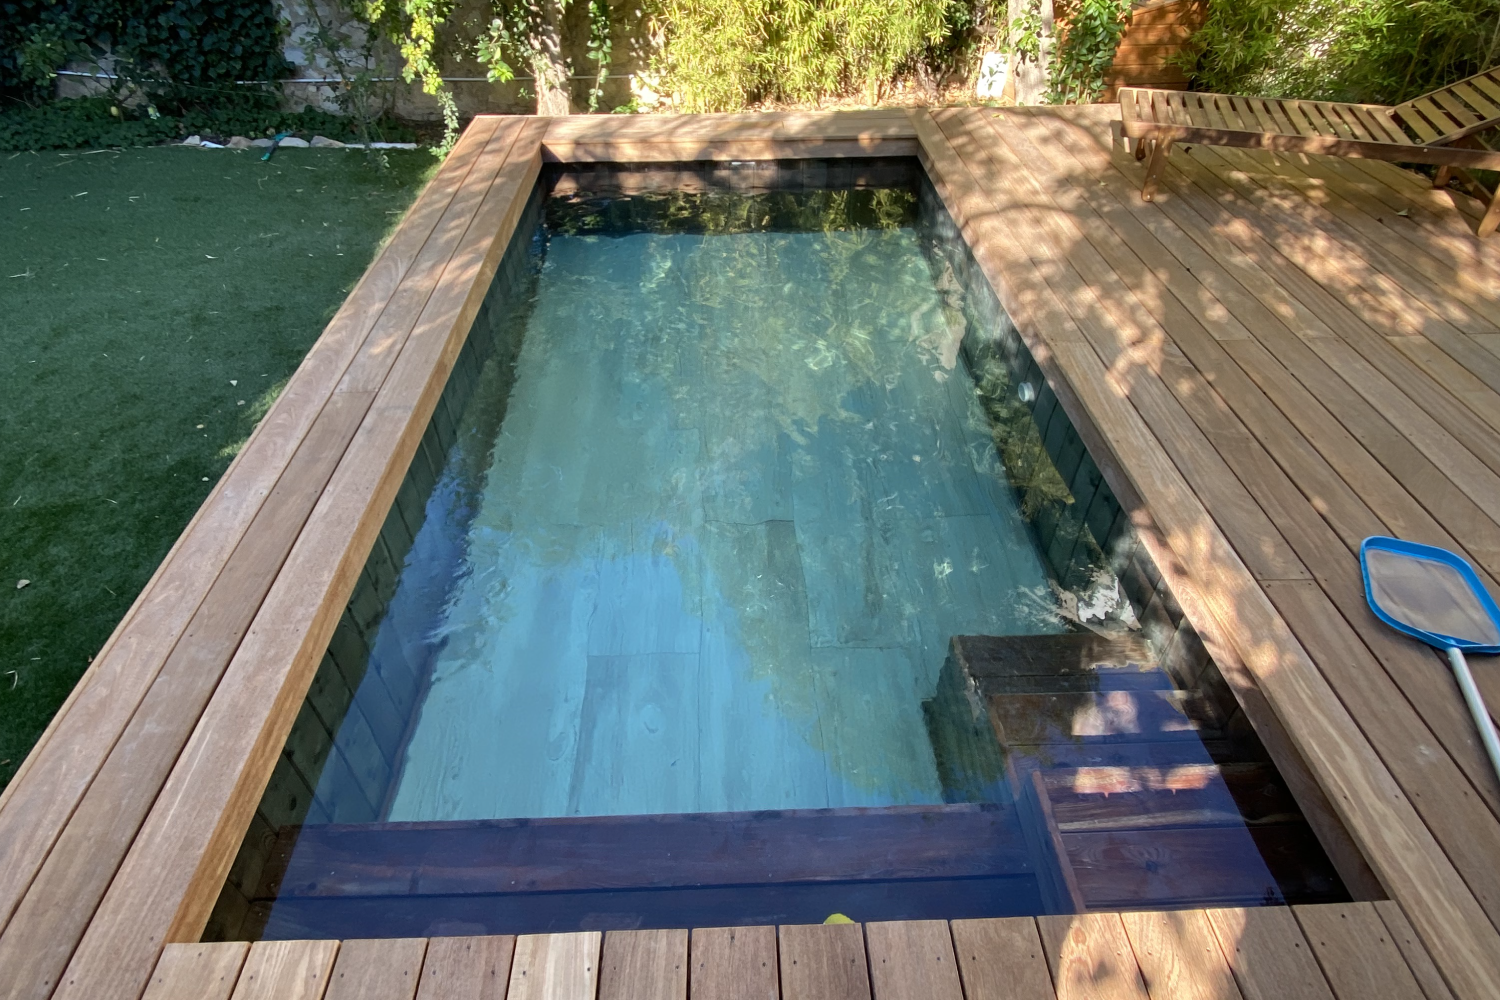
152,304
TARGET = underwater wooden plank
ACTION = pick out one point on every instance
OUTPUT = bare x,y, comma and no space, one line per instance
582,853
1001,959
734,963
197,971
823,962
644,965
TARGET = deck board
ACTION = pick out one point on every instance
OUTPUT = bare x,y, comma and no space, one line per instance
1357,953
1049,270
1268,954
1001,959
473,968
1268,362
644,965
823,962
197,971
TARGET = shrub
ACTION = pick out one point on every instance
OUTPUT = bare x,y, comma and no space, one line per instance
1371,51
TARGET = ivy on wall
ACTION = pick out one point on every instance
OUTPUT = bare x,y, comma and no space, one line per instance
174,49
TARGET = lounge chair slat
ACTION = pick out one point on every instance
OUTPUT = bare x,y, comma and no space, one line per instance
1209,113
1356,125
1161,109
1379,122
1477,100
1436,116
1234,115
1466,118
1278,115
1290,119
1335,116
1487,83
1238,115
1413,119
1304,120
1258,115
1179,105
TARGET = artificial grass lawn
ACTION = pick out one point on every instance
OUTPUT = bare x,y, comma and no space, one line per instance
144,293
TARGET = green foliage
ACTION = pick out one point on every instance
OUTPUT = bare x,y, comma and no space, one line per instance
167,47
721,55
1026,33
1375,51
98,122
1089,40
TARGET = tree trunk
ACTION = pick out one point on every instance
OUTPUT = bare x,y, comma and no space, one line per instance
1029,76
548,67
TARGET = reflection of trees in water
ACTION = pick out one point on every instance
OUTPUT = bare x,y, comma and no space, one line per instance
726,213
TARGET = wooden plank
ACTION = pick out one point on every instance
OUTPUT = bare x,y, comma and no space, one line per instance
383,969
644,965
1412,262
824,962
1002,959
286,970
467,968
1269,956
33,812
1476,99
912,960
1179,955
1417,959
200,815
1356,952
197,971
1091,957
1373,807
555,967
735,963
1437,301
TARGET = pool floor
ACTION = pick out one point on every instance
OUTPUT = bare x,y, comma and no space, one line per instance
742,497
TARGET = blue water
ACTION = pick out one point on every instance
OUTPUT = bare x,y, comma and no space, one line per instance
742,496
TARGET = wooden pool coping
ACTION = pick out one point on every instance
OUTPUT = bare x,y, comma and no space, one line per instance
118,830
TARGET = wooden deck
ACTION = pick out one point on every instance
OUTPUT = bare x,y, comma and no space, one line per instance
1299,953
1271,361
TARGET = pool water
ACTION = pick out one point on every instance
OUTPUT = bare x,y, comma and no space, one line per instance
674,588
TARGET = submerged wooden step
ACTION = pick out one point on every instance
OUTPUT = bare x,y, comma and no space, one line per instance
1199,866
1082,661
1108,716
1186,835
594,853
1142,798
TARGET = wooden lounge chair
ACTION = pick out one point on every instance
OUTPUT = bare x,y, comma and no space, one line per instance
1436,128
